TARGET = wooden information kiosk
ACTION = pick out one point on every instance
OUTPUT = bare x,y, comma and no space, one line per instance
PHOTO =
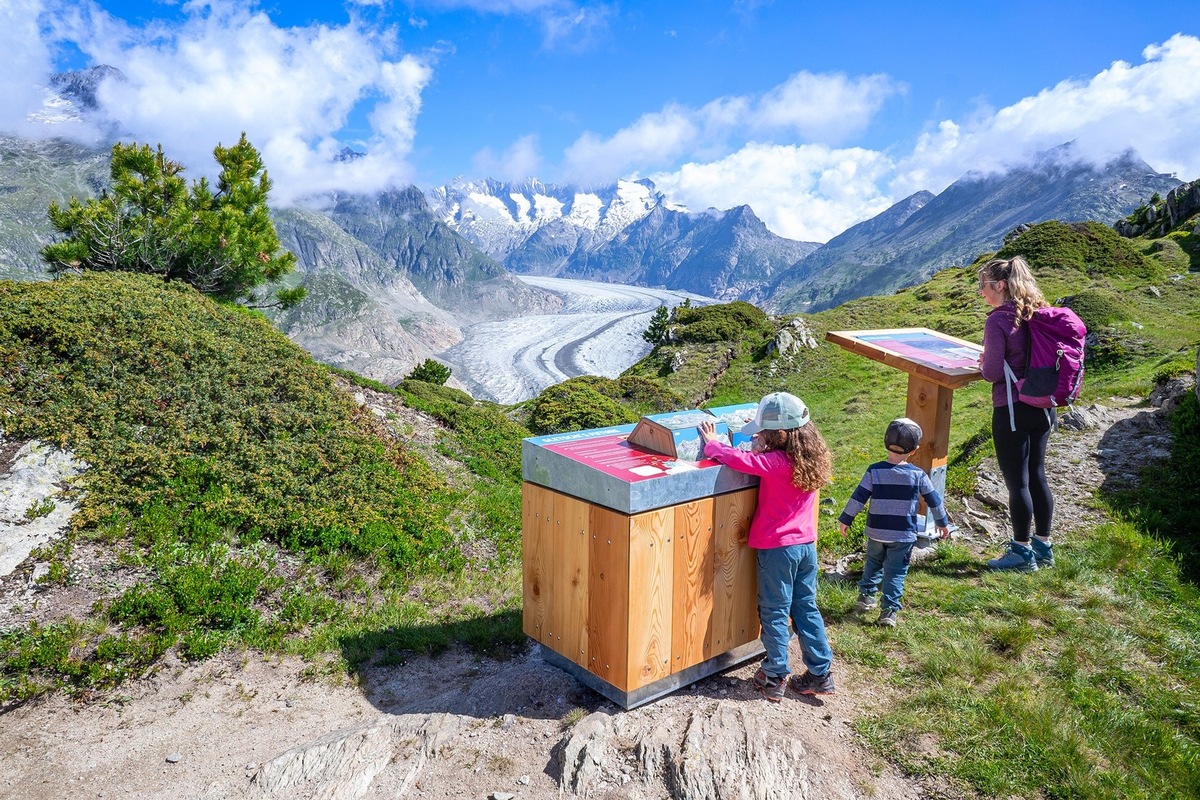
636,575
936,364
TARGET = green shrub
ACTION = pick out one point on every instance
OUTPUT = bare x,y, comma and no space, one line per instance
430,371
646,396
718,323
576,405
206,431
1084,246
1097,308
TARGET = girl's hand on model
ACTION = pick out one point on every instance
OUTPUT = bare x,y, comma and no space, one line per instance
708,431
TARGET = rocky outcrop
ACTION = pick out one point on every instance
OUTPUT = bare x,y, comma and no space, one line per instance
1180,205
33,511
342,765
792,338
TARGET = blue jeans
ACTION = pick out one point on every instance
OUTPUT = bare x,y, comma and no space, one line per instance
886,561
787,588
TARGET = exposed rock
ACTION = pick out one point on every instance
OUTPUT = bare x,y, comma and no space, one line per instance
32,510
792,338
584,754
1168,395
728,754
342,764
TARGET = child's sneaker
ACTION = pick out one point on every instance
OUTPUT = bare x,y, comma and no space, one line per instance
1019,557
809,683
865,603
887,617
772,687
1043,553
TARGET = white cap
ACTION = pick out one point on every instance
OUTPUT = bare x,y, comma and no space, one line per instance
776,412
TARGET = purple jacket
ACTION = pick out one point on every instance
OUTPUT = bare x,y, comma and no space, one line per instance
1003,341
786,514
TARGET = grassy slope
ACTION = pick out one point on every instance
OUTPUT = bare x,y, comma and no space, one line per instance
1080,682
259,504
1077,682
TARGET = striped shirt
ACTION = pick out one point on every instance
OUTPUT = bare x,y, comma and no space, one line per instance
894,492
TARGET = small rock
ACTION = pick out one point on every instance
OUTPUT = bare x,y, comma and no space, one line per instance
523,780
509,721
251,766
174,758
502,796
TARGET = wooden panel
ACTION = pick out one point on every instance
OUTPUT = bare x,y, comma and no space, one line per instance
735,590
952,377
566,618
536,529
692,606
929,405
651,567
608,604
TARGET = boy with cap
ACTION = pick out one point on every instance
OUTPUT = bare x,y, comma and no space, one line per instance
893,488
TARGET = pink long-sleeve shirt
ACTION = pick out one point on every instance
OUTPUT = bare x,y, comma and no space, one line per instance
786,514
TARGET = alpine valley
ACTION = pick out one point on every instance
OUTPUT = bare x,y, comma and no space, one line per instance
397,277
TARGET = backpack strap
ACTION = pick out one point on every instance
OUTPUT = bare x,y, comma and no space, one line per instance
1010,378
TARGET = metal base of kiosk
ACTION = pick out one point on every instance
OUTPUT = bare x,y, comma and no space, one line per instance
660,688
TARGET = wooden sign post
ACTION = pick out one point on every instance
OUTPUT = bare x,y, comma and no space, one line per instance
936,364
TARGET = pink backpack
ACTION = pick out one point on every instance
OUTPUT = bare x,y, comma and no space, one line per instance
1054,371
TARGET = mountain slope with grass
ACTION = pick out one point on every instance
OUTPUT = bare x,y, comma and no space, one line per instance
246,499
251,503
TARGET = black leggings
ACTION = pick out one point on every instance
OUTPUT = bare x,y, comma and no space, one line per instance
1022,457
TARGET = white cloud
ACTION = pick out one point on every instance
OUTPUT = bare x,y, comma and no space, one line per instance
806,192
565,24
521,160
816,108
823,108
28,64
1151,107
814,192
228,68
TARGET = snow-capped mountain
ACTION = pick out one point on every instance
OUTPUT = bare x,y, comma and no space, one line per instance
500,217
625,233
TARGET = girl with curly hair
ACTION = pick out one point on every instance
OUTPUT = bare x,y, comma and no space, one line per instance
792,463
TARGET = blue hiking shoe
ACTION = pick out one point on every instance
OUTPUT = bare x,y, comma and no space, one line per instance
1020,557
1043,553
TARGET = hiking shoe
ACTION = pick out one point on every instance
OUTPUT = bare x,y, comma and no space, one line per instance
1043,553
1019,557
887,617
809,683
865,603
772,687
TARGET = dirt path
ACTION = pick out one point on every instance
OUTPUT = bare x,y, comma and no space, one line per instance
204,731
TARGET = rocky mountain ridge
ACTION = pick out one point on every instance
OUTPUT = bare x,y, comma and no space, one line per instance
924,233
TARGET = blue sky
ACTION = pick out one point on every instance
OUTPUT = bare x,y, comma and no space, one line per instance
818,115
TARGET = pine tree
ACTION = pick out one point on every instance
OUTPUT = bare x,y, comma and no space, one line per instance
660,324
223,243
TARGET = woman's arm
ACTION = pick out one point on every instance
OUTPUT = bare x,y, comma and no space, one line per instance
995,342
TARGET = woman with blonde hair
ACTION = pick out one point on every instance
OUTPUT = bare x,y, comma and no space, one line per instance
1008,286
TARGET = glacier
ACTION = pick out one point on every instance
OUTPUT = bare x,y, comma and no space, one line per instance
598,332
